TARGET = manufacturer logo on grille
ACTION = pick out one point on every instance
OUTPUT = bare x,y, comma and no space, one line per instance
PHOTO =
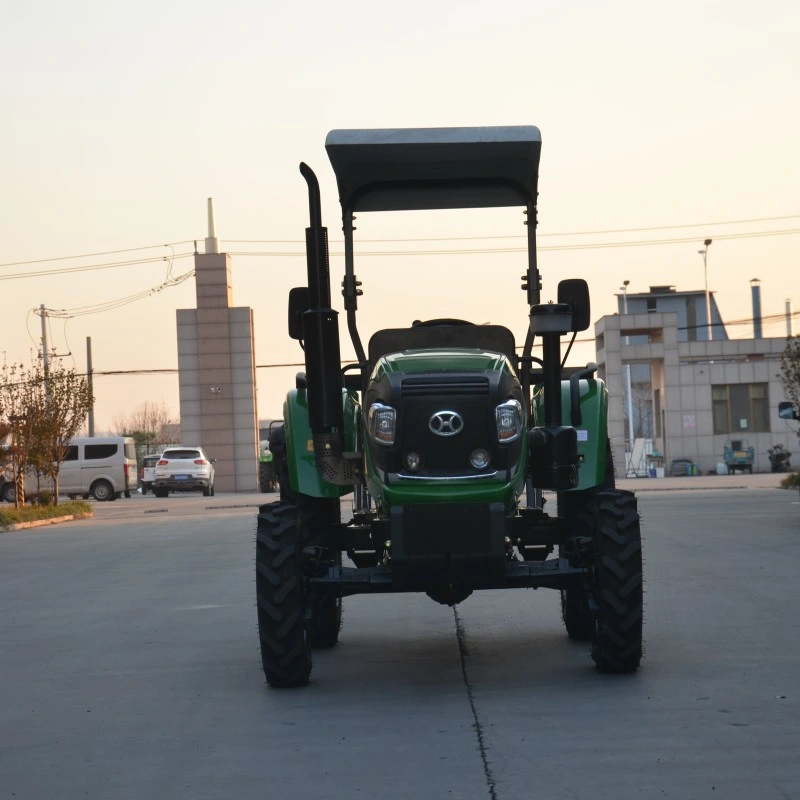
446,423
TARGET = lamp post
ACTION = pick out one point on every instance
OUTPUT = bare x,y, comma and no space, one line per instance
704,253
628,391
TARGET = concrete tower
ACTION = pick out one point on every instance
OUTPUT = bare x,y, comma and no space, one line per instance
217,376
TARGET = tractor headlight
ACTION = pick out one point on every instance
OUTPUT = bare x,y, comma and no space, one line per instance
508,417
381,423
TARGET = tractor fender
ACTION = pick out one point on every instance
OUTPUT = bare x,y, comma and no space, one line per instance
304,478
592,432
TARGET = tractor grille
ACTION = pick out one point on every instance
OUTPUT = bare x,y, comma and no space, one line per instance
470,398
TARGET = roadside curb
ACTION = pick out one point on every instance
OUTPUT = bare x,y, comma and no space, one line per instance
638,490
38,523
707,483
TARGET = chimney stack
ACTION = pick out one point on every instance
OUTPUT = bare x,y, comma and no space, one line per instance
212,243
755,285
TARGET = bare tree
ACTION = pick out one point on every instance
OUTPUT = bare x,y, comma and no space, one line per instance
790,371
147,424
641,399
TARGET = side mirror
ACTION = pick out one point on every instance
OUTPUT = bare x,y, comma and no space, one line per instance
212,461
299,301
786,410
574,292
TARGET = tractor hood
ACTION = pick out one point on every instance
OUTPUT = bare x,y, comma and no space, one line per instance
430,413
450,359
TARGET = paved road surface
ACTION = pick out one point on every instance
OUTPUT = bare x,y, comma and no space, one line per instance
129,668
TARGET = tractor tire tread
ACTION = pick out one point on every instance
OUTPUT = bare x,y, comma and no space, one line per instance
618,583
281,601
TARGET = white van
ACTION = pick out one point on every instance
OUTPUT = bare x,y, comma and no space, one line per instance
103,467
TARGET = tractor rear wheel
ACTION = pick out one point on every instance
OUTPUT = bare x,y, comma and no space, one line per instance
617,586
281,597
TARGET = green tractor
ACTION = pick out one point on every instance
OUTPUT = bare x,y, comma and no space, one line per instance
444,432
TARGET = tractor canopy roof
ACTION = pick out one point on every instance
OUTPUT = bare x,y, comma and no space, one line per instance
409,169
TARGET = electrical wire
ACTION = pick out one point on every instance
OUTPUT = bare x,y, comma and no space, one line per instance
505,250
420,239
539,234
91,267
110,305
93,255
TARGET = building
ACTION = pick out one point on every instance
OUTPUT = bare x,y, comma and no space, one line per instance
703,393
217,377
691,308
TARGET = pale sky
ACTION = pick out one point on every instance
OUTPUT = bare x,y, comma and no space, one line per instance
120,119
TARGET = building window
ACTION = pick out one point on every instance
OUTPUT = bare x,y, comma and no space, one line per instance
691,319
651,304
740,408
657,411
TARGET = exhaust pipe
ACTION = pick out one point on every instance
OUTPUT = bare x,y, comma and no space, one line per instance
322,352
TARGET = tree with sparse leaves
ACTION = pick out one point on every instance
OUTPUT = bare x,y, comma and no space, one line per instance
67,400
17,410
44,410
790,372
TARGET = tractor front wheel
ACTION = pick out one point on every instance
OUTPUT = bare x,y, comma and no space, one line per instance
281,597
578,511
617,591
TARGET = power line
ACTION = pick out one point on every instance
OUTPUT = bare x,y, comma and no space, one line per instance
171,371
506,250
420,239
539,234
93,255
91,268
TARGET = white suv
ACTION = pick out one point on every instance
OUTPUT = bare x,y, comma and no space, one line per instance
184,469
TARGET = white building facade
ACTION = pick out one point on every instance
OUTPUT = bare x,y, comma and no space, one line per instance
703,393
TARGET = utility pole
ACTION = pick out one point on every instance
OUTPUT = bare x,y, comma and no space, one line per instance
89,381
704,253
45,362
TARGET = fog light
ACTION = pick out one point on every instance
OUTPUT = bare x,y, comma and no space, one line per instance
479,458
413,461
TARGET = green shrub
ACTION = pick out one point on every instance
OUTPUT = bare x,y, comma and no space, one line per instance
32,513
791,481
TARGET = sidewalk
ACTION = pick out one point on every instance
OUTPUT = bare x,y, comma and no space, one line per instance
762,480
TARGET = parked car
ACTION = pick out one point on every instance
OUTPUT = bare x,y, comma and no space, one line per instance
184,469
103,467
147,473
